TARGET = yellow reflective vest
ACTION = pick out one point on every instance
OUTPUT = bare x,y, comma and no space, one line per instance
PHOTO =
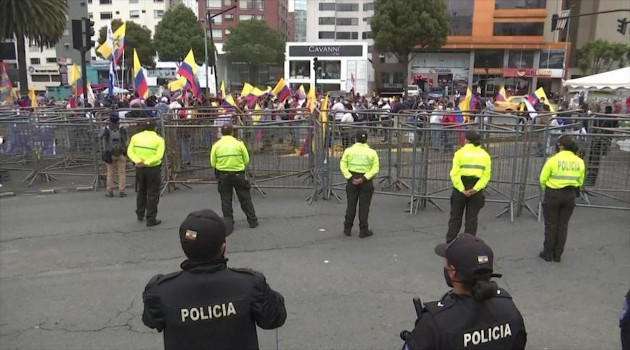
561,170
474,161
146,147
229,154
359,158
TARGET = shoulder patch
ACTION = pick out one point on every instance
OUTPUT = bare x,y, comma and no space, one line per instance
435,307
502,293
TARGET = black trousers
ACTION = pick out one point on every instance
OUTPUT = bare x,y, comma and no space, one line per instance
228,182
558,207
149,181
460,203
363,195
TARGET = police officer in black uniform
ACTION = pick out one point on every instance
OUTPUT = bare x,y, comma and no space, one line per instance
208,305
475,314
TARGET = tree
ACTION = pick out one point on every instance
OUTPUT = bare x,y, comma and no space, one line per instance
41,22
178,32
256,44
136,36
600,56
400,27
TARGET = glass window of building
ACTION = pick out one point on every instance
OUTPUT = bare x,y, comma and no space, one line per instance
366,35
367,20
158,13
106,15
40,78
134,14
347,21
489,58
520,59
327,20
51,60
55,78
133,1
385,78
228,17
300,69
246,4
347,35
244,17
105,2
520,4
348,7
213,4
326,35
460,17
326,6
35,60
399,77
217,20
227,2
552,59
261,5
217,34
329,70
519,29
368,6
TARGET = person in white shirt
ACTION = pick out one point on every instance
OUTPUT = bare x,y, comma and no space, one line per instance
436,124
338,107
346,119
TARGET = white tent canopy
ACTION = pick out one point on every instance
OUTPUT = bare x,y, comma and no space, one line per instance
613,80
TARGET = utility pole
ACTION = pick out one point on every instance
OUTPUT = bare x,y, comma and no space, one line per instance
209,18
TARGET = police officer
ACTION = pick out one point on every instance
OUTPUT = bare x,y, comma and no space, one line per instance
359,165
207,305
146,150
560,178
229,157
470,174
476,313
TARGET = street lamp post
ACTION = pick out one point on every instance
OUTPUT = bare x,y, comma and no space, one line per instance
209,18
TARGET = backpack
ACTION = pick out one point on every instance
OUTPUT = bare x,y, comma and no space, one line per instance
116,142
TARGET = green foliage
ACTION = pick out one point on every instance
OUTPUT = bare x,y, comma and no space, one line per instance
400,25
255,43
601,56
178,32
42,22
136,36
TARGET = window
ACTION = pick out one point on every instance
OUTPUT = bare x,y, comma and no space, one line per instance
366,35
158,0
66,47
89,1
460,17
261,5
228,17
56,78
326,35
347,7
300,69
216,20
106,15
399,77
34,60
51,60
82,4
326,6
134,14
347,35
552,59
40,78
34,48
227,32
368,6
367,20
90,15
520,4
385,77
217,34
133,1
329,70
158,13
326,20
213,4
117,12
370,48
66,32
489,58
520,59
227,2
347,21
244,17
104,2
518,29
246,4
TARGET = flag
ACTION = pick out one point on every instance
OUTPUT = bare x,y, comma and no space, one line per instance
119,42
230,100
112,77
530,109
311,100
323,115
256,115
188,69
31,97
139,80
301,94
464,106
258,92
177,84
76,81
501,96
247,89
107,48
222,96
540,93
6,87
281,90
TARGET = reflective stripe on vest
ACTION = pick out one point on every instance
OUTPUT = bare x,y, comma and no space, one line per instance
473,166
565,177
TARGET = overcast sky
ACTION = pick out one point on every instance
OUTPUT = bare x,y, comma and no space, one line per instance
291,5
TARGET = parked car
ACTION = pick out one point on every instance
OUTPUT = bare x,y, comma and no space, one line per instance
436,93
413,90
509,105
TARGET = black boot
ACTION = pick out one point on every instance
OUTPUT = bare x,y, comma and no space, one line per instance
365,233
153,222
544,256
347,230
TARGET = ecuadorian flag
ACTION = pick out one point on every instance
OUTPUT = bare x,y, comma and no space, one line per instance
188,70
281,90
139,80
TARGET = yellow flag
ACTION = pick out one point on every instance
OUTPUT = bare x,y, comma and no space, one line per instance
256,116
323,114
223,89
177,84
31,96
464,105
540,93
247,89
75,74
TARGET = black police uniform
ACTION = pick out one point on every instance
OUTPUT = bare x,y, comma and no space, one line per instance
211,306
461,322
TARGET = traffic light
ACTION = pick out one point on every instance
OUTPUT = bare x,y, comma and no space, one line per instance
622,26
315,64
77,34
554,22
89,33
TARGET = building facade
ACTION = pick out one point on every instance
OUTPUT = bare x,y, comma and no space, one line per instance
300,19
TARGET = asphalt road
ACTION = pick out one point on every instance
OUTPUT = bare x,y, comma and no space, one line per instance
73,267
